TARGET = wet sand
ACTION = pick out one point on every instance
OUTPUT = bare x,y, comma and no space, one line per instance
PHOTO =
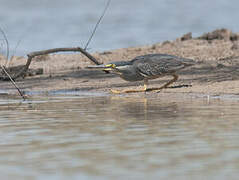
216,72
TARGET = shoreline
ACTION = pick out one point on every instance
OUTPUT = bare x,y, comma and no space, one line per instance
216,72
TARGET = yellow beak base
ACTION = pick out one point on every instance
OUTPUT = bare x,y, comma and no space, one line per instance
109,67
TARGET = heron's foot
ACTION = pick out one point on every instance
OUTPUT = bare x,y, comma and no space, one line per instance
114,91
157,90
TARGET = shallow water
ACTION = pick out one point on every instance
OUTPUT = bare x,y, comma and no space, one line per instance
119,137
49,24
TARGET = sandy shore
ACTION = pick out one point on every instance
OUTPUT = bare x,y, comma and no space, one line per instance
216,72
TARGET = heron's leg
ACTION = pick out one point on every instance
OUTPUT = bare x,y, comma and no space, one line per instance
145,84
175,78
131,90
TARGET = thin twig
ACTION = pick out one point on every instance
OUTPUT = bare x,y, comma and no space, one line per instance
16,46
13,82
6,40
13,52
97,24
3,68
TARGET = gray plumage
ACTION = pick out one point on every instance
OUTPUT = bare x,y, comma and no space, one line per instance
147,67
150,66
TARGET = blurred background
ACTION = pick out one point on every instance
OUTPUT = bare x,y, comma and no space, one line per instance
47,24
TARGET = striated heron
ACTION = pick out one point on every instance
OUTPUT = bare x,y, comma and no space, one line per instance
143,68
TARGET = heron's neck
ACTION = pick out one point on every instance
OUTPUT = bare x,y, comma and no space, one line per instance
129,73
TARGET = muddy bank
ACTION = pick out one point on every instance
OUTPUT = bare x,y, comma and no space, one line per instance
216,72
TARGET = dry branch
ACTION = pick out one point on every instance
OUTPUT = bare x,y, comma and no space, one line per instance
31,55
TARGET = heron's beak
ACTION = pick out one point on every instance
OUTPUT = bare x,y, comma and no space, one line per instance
105,67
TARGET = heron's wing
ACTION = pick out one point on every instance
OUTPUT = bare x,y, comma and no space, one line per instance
157,65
